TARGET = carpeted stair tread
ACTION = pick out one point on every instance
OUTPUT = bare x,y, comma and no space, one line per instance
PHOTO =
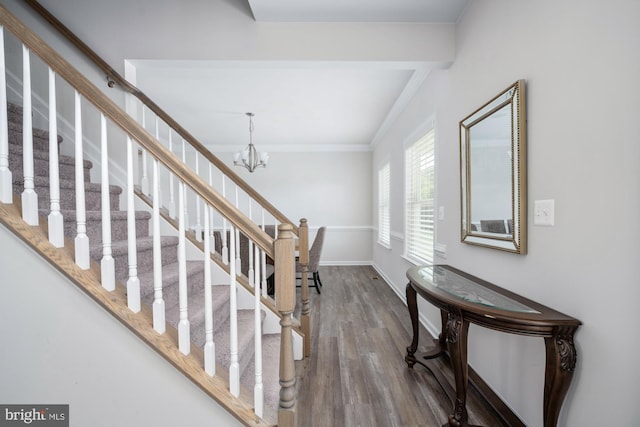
93,192
40,138
170,280
15,126
94,224
220,310
97,215
270,375
219,304
66,164
41,168
70,184
221,332
14,121
16,150
143,243
245,341
144,246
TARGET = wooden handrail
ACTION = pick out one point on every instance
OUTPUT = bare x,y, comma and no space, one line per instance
114,77
104,104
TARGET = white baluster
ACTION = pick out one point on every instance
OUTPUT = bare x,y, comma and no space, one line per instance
258,393
225,251
234,367
81,241
251,271
107,263
211,212
55,220
209,346
158,302
186,214
6,190
263,263
237,238
157,135
160,195
144,180
184,339
172,203
198,227
29,196
133,282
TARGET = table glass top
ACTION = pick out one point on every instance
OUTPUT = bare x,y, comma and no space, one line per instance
468,290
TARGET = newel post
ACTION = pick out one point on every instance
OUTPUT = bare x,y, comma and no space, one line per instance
303,260
285,293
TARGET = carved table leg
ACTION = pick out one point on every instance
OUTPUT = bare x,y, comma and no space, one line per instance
442,338
561,362
412,304
457,331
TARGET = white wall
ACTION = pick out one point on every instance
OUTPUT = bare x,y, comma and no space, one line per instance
331,189
51,353
581,62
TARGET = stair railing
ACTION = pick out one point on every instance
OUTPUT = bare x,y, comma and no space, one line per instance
243,196
281,249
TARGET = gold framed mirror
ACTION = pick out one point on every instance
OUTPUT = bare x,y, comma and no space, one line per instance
493,173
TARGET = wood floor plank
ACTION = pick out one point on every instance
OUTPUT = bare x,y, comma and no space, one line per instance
356,375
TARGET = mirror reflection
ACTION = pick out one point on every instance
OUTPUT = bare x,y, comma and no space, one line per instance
492,172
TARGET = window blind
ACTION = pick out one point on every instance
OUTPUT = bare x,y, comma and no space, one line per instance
384,184
420,195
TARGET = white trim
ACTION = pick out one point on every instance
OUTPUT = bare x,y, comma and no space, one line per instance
419,131
349,228
318,148
415,81
384,245
397,236
411,261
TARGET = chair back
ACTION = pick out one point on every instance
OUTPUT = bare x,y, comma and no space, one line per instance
316,250
493,226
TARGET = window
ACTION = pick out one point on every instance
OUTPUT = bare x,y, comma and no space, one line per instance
420,193
384,184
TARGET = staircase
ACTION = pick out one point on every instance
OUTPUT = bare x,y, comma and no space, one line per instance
198,298
170,267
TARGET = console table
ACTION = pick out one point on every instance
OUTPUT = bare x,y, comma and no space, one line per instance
464,299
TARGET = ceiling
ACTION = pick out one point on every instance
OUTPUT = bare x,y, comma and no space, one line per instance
298,105
356,10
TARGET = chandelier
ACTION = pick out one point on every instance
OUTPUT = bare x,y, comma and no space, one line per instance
249,157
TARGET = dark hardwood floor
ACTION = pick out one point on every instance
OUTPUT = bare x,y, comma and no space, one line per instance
357,375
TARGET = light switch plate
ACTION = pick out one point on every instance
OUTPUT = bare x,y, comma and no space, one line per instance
544,212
